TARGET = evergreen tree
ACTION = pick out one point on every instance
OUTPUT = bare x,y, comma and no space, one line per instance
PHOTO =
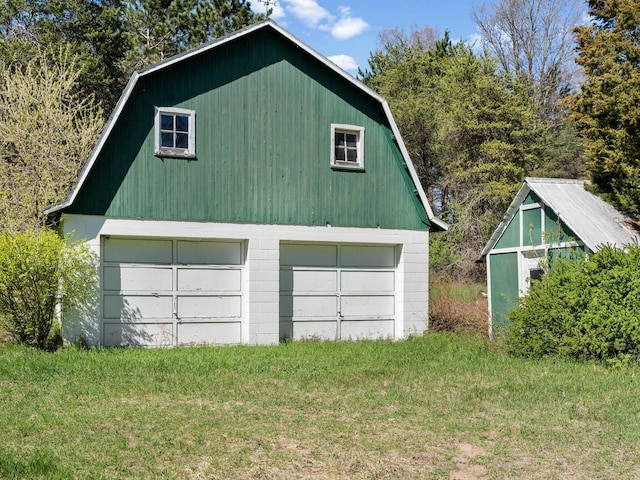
472,133
92,30
158,29
607,109
533,40
111,38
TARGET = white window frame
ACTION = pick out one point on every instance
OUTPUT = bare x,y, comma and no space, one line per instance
344,164
530,260
190,151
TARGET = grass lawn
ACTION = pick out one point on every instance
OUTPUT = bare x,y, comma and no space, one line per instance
438,406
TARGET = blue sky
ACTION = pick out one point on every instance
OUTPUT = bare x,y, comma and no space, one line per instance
347,30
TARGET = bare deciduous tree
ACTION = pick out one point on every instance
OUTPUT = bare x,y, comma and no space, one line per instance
534,40
46,133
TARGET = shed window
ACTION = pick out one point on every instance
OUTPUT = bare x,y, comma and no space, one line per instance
347,147
535,274
175,132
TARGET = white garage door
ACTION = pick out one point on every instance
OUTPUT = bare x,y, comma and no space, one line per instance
337,291
171,292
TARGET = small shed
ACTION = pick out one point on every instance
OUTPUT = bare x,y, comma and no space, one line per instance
250,191
548,217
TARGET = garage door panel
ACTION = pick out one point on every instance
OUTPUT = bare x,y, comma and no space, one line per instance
368,256
308,280
309,306
138,335
199,279
309,255
209,306
125,250
367,329
143,279
367,281
136,307
367,305
209,253
337,291
220,333
151,285
317,330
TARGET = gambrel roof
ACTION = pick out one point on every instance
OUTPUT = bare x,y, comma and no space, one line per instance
137,77
594,221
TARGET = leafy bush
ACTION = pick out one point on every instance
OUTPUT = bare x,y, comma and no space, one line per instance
581,308
39,269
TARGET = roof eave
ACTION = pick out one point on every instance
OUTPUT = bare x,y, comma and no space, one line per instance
106,131
506,219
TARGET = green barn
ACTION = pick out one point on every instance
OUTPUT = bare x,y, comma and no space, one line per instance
548,217
250,191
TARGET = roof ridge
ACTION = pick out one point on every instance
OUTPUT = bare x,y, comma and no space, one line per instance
555,180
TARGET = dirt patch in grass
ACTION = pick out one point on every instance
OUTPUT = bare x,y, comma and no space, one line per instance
467,469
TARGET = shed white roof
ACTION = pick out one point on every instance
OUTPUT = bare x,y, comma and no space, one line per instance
594,221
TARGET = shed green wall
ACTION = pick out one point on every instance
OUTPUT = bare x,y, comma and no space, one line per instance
511,235
264,110
532,227
531,198
555,229
504,287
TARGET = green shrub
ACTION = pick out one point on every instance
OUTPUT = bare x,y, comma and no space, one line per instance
39,269
581,308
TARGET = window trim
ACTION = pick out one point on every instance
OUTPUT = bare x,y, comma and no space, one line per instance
190,151
345,164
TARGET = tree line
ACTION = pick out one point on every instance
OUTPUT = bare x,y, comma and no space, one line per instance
544,94
64,64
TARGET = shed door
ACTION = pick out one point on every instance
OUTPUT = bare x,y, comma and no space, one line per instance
171,292
337,291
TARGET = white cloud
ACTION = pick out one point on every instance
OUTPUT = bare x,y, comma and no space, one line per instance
308,11
345,62
277,13
313,15
475,42
348,27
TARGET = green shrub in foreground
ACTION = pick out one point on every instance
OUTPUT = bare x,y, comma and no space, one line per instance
39,269
582,308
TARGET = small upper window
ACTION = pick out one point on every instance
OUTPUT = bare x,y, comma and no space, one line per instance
347,147
175,132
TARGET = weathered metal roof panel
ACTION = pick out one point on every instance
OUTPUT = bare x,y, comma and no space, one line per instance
593,220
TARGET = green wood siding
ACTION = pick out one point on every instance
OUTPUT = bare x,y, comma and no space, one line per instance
531,198
504,287
555,229
511,235
264,110
532,227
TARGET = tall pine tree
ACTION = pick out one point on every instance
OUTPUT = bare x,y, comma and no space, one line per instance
472,133
607,110
158,29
